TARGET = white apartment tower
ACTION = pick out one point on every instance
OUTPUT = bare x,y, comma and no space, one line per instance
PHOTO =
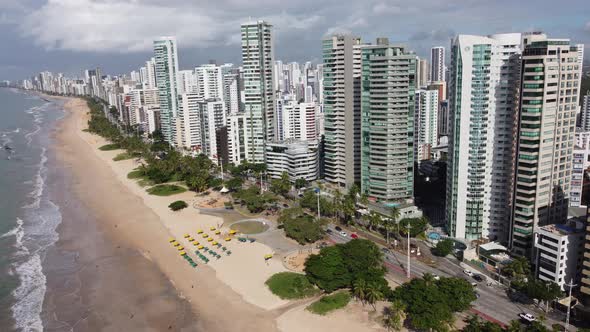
209,81
482,113
549,94
425,123
342,109
166,70
257,60
437,64
190,120
585,111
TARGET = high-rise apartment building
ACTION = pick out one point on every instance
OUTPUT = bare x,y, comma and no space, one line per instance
437,64
425,123
166,70
342,114
423,73
190,121
212,114
209,80
482,108
585,111
550,83
585,280
387,107
257,59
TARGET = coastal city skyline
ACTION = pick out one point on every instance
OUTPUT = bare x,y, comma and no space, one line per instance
42,40
306,168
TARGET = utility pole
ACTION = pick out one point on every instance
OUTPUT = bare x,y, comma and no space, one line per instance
408,274
317,190
261,189
569,304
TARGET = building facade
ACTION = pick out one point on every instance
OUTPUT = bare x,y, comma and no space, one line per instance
437,64
300,159
482,108
425,123
550,84
166,69
387,130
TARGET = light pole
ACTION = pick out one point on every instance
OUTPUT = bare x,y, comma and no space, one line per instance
408,274
317,191
569,304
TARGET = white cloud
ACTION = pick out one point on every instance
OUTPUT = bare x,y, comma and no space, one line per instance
130,26
383,8
587,26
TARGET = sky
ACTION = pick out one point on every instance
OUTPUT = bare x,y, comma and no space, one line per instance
71,35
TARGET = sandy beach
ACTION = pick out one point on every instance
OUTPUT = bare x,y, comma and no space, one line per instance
129,277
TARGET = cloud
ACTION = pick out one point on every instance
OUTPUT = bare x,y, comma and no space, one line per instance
384,8
443,34
125,26
587,28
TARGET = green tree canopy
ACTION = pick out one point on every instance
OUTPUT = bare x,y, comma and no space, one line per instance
443,248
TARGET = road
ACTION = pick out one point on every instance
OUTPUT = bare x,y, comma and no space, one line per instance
492,304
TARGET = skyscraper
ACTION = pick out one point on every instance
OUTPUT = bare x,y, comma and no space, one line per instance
550,84
425,123
585,111
437,64
387,108
166,69
482,108
257,59
342,114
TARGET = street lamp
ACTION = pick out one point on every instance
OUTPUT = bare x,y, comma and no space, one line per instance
569,304
408,274
317,191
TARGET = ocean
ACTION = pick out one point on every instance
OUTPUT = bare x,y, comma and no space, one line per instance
28,217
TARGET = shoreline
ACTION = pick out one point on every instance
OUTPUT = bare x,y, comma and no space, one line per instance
132,235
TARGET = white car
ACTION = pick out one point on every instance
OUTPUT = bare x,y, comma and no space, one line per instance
435,277
528,317
343,233
469,273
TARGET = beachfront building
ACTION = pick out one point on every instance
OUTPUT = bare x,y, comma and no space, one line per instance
238,138
166,69
189,116
559,252
387,129
212,117
437,64
482,108
342,109
425,124
550,83
300,159
257,68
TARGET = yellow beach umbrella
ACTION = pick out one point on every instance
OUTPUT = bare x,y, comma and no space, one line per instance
209,239
191,239
205,236
171,240
233,231
217,232
182,253
214,243
199,231
180,248
212,228
228,239
267,256
200,247
196,243
186,236
176,244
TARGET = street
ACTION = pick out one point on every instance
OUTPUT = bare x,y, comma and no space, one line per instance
492,304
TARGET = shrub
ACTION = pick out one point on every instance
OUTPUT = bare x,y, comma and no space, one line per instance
124,156
110,147
303,229
330,303
136,174
289,285
166,190
178,205
443,248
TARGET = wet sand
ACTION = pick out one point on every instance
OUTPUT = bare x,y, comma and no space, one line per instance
111,271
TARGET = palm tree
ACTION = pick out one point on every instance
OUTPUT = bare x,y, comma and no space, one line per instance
359,288
428,278
374,219
373,294
394,316
514,326
393,215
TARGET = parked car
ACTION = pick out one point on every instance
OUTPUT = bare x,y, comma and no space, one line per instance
343,233
329,231
478,277
385,250
338,228
354,236
527,317
469,273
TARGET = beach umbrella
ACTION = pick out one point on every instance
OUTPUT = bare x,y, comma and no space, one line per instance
186,236
217,232
171,240
199,231
218,256
212,228
267,257
229,252
214,243
209,239
176,244
195,243
205,236
191,239
228,239
182,253
200,247
223,248
232,232
180,248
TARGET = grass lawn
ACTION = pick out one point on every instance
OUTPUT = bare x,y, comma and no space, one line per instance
136,174
109,147
290,285
329,303
123,156
249,227
166,190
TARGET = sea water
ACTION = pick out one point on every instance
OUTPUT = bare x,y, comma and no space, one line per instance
28,218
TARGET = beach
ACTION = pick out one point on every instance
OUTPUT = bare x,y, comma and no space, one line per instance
116,270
